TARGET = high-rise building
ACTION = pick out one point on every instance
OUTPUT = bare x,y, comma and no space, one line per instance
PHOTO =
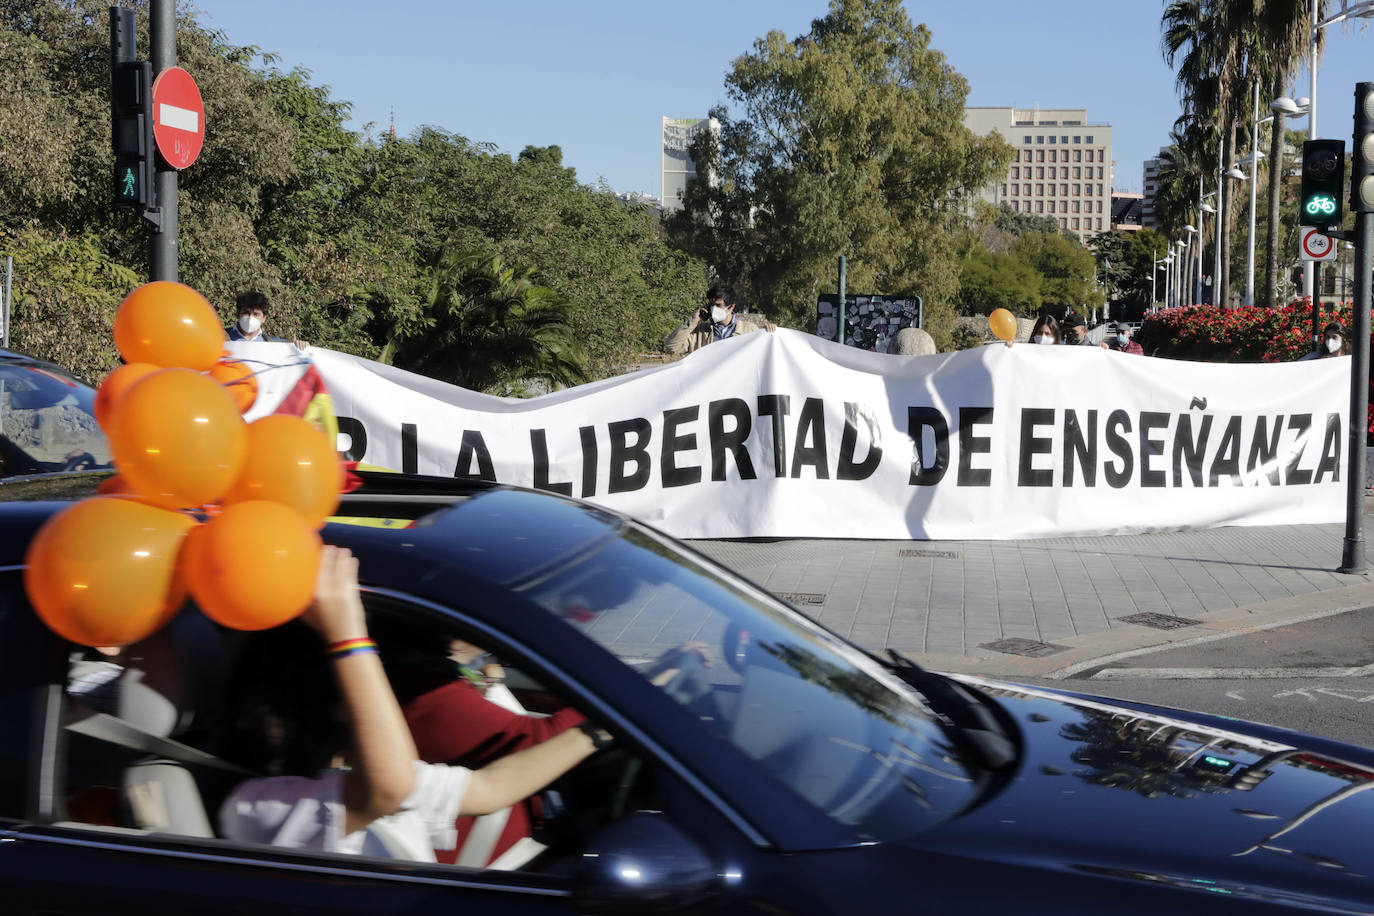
1062,168
678,168
1148,218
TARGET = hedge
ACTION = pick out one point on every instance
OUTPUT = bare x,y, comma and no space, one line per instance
1248,335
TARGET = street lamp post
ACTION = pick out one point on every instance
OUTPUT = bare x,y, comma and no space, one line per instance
1179,257
1216,255
1194,236
1168,279
1203,208
1156,264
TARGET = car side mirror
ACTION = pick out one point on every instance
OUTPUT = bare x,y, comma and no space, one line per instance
642,865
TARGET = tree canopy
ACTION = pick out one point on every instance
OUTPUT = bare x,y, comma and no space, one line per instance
345,231
848,139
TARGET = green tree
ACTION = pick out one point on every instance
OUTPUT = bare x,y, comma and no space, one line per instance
489,327
1127,260
847,139
1067,270
65,301
341,229
1015,223
991,280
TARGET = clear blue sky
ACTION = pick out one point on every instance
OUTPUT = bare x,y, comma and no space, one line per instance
595,76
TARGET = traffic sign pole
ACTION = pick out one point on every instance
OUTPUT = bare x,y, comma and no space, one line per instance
1352,551
163,48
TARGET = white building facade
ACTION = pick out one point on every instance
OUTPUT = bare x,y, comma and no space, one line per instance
1062,168
678,168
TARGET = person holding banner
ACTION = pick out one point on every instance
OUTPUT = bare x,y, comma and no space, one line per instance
1045,330
252,308
1121,340
1075,329
714,321
1334,343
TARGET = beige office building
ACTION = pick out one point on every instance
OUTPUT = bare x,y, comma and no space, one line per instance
1062,169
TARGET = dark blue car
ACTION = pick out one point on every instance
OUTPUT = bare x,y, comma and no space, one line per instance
793,774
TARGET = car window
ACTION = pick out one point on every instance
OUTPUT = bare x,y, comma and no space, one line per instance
23,672
47,422
814,711
152,746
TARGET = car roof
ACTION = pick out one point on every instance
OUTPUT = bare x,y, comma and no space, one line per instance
473,529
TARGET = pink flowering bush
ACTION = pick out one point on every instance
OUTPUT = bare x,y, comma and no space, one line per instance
1247,335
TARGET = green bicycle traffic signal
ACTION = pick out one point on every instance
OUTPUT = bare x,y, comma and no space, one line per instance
1323,182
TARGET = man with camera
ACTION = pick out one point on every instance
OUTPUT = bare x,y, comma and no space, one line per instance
716,320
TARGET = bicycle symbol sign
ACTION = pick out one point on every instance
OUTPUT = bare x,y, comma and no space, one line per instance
1316,246
1319,206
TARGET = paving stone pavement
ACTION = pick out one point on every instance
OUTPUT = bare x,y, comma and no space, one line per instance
951,604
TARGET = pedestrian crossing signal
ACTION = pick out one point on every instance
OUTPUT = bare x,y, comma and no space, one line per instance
127,185
132,132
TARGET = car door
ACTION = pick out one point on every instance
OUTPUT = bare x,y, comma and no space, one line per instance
70,842
67,844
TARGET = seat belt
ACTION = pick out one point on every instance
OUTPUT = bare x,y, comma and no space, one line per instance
104,727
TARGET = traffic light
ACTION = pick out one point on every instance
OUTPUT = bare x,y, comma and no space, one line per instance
131,91
1323,183
1362,156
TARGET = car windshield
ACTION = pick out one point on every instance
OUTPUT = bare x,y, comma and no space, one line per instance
47,422
815,712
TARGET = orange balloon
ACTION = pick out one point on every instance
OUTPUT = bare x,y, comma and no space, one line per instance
1002,323
168,324
289,461
116,384
116,486
254,566
238,379
104,572
177,438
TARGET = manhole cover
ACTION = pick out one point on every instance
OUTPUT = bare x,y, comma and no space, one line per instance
813,598
1027,647
1159,621
936,554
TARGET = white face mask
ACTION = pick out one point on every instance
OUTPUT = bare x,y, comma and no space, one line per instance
1121,339
1043,339
1332,345
719,314
250,324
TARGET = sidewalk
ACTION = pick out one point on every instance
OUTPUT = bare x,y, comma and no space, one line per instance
1055,606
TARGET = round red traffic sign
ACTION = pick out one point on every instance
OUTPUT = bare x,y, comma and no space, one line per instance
178,117
1315,246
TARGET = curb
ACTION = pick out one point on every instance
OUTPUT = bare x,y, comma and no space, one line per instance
1098,650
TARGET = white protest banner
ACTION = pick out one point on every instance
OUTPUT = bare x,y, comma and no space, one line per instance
788,435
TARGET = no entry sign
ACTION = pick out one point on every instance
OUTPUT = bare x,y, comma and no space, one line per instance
1315,246
178,117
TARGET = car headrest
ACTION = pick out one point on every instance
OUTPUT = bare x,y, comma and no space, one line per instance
172,677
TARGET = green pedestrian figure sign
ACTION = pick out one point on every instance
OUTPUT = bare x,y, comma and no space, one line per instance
128,184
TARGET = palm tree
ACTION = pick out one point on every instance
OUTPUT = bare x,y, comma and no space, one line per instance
1214,44
1283,27
1181,170
489,326
1191,37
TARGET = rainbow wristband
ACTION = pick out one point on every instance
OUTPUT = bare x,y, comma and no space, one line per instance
346,647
